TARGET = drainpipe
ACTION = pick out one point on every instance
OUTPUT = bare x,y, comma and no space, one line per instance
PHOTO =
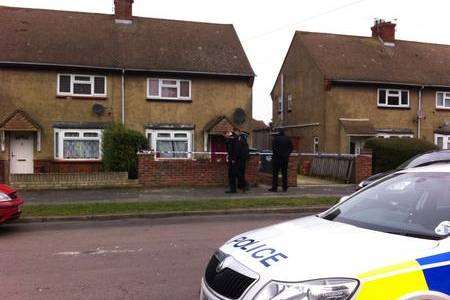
420,113
123,97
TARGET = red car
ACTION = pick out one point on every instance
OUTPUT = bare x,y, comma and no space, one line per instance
10,204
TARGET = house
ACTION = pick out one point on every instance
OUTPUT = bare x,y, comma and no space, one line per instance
334,92
64,76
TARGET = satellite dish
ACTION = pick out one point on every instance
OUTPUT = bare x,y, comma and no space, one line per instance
98,109
239,116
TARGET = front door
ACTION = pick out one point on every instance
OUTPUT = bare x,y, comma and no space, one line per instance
218,147
22,153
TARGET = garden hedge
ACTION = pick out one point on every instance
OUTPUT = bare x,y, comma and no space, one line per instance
388,154
120,148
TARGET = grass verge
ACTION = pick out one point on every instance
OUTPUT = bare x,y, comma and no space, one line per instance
111,208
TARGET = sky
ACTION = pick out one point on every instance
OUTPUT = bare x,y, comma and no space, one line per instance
266,27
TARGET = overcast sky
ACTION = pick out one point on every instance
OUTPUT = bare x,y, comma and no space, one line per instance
266,27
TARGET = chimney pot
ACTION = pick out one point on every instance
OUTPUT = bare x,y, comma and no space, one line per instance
384,30
123,9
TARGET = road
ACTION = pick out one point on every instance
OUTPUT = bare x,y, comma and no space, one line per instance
127,259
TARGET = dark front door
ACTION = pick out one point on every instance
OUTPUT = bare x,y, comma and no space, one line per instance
218,147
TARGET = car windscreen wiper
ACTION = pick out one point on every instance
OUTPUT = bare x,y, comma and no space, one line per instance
416,235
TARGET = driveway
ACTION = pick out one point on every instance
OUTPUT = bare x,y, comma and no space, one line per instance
130,259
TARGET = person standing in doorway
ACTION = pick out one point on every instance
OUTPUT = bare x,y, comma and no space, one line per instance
282,148
242,159
231,141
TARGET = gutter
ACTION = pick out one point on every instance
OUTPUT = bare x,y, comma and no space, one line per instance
419,113
122,97
298,126
11,63
387,82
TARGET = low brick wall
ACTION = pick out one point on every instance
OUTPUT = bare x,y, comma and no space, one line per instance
363,167
70,180
2,171
50,166
196,173
266,178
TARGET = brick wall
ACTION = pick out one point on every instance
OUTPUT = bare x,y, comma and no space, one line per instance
50,166
195,173
363,167
266,178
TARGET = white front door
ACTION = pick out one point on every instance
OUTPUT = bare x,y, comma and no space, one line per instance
22,153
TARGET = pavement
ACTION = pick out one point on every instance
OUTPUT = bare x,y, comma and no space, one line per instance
126,259
176,194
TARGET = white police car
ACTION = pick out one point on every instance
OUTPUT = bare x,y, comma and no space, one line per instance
388,241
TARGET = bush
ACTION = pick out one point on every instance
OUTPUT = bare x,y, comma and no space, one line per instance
120,148
388,154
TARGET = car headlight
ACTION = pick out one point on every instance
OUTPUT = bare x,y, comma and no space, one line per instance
322,289
4,197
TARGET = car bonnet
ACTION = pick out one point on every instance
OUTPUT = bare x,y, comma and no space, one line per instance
312,248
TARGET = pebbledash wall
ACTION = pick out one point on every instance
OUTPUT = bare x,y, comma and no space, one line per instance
199,172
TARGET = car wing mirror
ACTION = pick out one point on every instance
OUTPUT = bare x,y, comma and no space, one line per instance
443,229
343,199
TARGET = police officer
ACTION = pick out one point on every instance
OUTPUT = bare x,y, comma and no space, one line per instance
282,149
232,150
242,159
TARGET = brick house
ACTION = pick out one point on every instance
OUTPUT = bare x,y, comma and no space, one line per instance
334,92
64,76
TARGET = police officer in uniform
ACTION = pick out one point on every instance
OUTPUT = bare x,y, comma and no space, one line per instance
232,150
282,148
242,159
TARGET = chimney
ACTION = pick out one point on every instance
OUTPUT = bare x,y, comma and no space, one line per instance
123,10
384,30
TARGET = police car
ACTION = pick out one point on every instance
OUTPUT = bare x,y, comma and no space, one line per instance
387,241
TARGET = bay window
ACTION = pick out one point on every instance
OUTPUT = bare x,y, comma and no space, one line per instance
393,98
171,89
78,144
442,141
81,85
443,100
171,143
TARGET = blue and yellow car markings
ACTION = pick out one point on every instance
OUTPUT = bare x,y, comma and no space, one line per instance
393,282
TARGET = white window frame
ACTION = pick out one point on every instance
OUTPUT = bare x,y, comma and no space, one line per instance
393,93
154,138
395,135
177,85
59,149
445,142
446,96
73,81
289,103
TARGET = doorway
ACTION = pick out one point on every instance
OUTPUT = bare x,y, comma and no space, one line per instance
218,145
21,153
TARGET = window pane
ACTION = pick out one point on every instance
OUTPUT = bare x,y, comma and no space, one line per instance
382,97
440,142
79,149
72,134
440,99
64,83
56,144
185,89
169,82
99,85
405,98
180,146
447,102
153,87
164,148
180,135
169,92
393,100
82,88
90,134
82,78
164,135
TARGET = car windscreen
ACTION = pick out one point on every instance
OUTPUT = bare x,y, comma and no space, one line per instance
410,204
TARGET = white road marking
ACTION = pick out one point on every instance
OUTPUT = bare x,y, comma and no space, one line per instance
99,251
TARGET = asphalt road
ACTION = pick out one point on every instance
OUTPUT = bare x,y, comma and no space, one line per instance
129,259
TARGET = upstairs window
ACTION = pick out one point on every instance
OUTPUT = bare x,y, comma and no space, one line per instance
443,100
172,89
81,85
289,103
280,104
393,98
